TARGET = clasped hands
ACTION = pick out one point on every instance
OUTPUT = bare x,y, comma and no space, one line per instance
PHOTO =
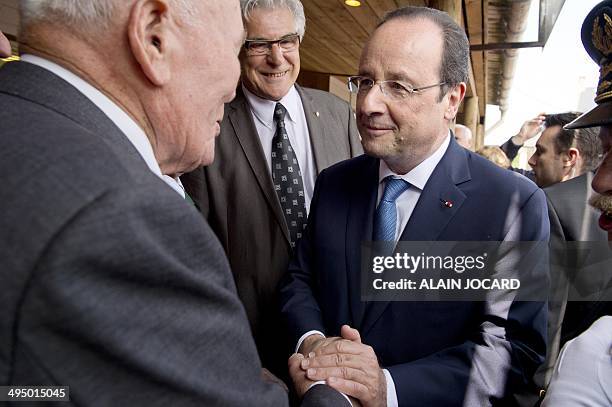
344,363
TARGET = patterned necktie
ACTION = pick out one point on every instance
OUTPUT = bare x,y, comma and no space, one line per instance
386,214
288,178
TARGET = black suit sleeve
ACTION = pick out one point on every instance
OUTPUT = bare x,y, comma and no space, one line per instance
133,304
510,149
322,395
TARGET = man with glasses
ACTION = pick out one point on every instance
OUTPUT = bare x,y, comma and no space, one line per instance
415,183
275,138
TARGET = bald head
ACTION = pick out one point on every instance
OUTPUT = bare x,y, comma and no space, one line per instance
463,135
141,53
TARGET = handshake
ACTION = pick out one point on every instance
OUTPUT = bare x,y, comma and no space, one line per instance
343,363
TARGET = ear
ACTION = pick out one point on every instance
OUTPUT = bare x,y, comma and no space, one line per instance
455,96
571,157
150,37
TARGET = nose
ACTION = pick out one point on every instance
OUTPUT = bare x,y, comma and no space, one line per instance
532,161
372,102
275,57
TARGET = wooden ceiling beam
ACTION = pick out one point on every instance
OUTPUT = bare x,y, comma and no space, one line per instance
474,27
333,27
382,7
363,15
333,61
402,3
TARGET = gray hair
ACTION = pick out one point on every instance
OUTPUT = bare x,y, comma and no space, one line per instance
295,6
82,13
455,64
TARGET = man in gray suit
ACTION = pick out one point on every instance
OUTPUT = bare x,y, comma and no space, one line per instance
255,203
112,284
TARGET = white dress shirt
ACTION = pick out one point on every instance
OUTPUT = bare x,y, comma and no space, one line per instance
118,116
262,111
417,178
405,203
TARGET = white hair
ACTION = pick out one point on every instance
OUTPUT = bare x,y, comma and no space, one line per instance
83,14
295,6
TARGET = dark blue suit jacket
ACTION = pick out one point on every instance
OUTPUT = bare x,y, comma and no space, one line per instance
438,353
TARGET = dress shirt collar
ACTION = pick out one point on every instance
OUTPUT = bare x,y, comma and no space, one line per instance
118,116
264,108
420,174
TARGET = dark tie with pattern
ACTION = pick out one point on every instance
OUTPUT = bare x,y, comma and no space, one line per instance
287,178
385,221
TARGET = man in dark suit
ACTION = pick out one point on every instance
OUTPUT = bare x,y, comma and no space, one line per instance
412,77
112,283
242,194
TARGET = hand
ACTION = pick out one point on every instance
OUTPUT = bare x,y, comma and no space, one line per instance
5,46
268,377
529,129
300,382
315,341
350,367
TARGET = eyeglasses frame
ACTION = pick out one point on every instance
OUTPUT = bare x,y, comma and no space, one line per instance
408,87
271,44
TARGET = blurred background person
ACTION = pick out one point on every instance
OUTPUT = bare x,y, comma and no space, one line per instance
464,138
530,129
495,155
564,154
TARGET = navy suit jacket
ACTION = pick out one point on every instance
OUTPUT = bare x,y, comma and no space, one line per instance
438,353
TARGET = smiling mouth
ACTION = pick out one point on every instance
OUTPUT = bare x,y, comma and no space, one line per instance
275,75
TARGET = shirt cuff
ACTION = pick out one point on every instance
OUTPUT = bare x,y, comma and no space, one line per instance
306,335
343,395
391,394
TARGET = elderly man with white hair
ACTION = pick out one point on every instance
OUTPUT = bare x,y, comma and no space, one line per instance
113,284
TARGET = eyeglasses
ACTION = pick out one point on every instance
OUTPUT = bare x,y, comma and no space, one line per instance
287,43
395,90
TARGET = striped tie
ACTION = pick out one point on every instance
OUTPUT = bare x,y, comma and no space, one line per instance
386,213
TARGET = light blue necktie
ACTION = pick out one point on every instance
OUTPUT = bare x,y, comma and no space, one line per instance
386,213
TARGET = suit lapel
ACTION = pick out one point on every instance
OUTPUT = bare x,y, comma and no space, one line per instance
431,215
242,122
316,130
362,205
